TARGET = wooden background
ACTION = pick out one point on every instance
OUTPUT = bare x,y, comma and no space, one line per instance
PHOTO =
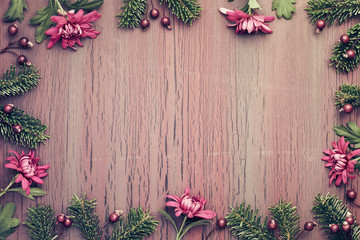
134,116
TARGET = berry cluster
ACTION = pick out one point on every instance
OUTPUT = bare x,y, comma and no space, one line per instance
23,43
154,14
66,221
308,226
346,226
8,109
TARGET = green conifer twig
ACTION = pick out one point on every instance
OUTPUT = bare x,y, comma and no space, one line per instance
185,10
348,94
41,223
14,83
139,224
32,129
332,10
246,225
132,13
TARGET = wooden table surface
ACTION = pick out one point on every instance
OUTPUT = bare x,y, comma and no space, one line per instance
134,116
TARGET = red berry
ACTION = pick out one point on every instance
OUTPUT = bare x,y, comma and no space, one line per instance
114,217
221,223
346,227
68,222
8,108
23,42
145,23
154,13
334,228
21,60
347,108
309,226
17,128
350,54
165,21
320,24
345,39
61,218
351,194
272,225
12,29
350,220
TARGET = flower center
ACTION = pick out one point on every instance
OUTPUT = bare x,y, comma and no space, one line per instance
70,30
28,167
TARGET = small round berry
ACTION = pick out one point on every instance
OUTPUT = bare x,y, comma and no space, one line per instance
221,223
8,108
12,29
320,24
309,225
165,21
21,60
23,42
334,228
351,194
61,218
344,39
68,222
350,54
17,128
350,220
272,225
154,13
145,24
346,227
347,108
114,217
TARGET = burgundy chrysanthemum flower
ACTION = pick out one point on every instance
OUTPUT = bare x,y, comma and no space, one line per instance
190,206
71,27
340,163
28,168
247,23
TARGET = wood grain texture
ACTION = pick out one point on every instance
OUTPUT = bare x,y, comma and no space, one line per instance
134,116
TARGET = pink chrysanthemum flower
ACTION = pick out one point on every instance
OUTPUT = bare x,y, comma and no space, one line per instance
190,206
28,168
340,163
247,23
71,27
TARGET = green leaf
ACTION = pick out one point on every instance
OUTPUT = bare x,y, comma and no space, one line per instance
42,18
351,132
168,217
202,222
8,224
85,5
34,192
284,8
251,4
15,11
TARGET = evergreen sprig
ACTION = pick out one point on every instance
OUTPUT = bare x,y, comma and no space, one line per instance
32,129
82,213
348,94
329,209
185,10
14,83
246,225
339,58
132,13
332,11
287,218
41,223
138,225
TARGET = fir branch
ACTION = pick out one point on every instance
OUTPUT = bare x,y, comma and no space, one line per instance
32,129
15,11
330,210
287,218
185,10
84,218
348,94
41,223
351,132
332,10
132,13
246,225
139,224
14,83
339,58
